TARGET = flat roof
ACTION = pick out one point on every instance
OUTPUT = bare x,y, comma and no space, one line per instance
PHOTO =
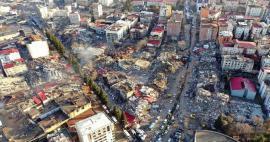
211,136
94,122
239,83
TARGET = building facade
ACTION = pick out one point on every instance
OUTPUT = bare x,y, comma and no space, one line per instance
106,2
236,62
116,32
174,24
97,128
264,74
242,87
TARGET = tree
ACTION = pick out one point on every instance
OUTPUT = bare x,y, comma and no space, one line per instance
237,129
118,113
222,121
56,42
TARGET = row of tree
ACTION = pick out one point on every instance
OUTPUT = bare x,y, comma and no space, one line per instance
98,91
102,95
60,48
56,42
246,132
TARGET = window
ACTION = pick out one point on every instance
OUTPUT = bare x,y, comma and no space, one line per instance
108,128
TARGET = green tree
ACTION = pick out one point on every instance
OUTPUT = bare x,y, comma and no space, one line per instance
222,121
118,113
56,42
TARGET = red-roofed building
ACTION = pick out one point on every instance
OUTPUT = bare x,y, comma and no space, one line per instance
42,96
36,100
154,43
249,48
259,29
71,122
242,87
14,67
157,31
130,120
8,55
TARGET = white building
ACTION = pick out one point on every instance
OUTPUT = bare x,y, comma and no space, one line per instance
242,28
106,2
265,62
264,74
15,68
236,62
97,128
59,13
9,55
255,10
264,89
50,3
74,18
267,102
43,11
38,49
84,2
259,29
165,10
97,10
68,8
231,50
116,32
4,9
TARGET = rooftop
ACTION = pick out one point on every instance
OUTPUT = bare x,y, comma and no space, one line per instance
95,122
116,27
9,51
226,33
239,83
211,136
245,44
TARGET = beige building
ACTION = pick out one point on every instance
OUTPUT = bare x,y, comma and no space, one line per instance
236,62
97,128
174,24
208,30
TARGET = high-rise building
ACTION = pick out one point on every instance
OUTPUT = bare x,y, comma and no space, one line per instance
236,62
208,30
174,24
74,18
200,3
106,2
43,11
97,128
97,10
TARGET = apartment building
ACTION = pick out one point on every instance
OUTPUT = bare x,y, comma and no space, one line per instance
97,128
97,10
208,30
236,62
264,74
242,30
106,2
264,89
265,61
242,87
116,32
174,24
